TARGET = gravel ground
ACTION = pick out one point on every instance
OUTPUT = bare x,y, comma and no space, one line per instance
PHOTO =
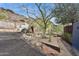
65,49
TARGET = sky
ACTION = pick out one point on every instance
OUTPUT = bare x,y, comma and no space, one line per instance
17,8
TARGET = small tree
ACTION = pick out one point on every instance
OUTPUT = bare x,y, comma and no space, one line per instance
66,13
43,12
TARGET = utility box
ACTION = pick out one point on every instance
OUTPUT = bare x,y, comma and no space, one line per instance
75,37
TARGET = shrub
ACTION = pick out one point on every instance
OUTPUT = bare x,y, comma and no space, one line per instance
67,37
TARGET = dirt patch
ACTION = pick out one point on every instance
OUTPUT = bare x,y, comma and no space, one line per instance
36,41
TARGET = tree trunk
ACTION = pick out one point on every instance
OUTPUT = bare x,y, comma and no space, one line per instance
44,31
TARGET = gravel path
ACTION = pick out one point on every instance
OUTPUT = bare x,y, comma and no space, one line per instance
66,49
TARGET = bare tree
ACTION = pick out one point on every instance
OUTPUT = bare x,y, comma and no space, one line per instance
43,12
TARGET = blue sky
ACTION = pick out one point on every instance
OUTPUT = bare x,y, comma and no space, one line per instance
16,7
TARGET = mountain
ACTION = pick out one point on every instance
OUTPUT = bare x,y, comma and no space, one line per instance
9,15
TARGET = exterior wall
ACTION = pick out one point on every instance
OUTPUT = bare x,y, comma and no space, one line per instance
6,25
75,38
12,26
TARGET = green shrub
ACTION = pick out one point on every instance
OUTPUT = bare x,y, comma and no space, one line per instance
58,29
67,37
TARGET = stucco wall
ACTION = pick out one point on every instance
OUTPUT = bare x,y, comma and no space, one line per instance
6,25
75,38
